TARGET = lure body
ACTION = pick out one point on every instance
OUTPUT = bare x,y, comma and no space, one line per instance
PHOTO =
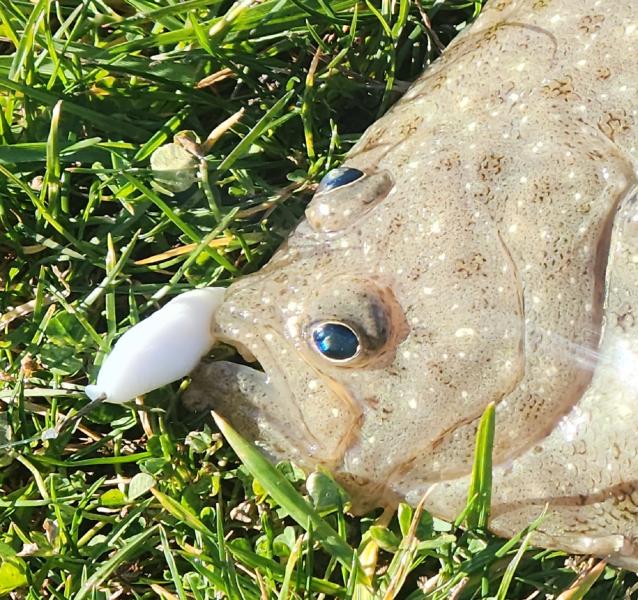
160,349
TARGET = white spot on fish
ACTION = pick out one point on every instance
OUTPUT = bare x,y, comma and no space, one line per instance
464,332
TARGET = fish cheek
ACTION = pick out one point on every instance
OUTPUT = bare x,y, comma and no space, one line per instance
337,208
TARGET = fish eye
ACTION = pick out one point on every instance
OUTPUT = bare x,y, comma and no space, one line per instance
339,177
336,341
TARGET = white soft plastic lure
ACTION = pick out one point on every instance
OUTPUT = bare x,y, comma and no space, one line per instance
160,349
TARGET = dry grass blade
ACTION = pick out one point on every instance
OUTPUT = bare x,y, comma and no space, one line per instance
584,582
180,251
402,561
215,77
24,309
162,592
220,130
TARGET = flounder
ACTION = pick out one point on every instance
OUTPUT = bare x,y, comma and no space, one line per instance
480,244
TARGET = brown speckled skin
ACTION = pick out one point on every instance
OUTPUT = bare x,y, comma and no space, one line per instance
497,236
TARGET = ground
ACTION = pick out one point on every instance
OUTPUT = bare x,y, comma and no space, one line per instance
150,502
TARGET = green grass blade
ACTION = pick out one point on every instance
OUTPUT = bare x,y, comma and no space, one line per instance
293,557
480,491
53,159
508,576
282,491
131,547
260,127
276,571
172,566
42,208
183,514
49,99
25,46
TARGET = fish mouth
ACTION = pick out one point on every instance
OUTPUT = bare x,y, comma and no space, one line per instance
248,386
244,390
260,399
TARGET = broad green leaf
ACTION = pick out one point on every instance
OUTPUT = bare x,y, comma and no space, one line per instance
386,539
139,485
174,167
325,493
12,575
113,498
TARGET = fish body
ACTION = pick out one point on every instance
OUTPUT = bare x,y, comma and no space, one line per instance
479,245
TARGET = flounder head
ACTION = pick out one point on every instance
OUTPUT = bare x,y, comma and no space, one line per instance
378,332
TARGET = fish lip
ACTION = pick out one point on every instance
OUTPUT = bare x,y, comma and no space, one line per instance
263,358
240,348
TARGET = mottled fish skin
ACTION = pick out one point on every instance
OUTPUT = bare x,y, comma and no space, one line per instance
492,254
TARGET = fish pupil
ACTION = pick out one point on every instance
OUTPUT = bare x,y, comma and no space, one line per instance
336,341
339,177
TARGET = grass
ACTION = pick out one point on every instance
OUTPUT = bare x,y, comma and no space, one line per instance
153,503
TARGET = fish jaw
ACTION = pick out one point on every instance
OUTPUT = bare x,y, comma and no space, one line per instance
279,401
245,396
